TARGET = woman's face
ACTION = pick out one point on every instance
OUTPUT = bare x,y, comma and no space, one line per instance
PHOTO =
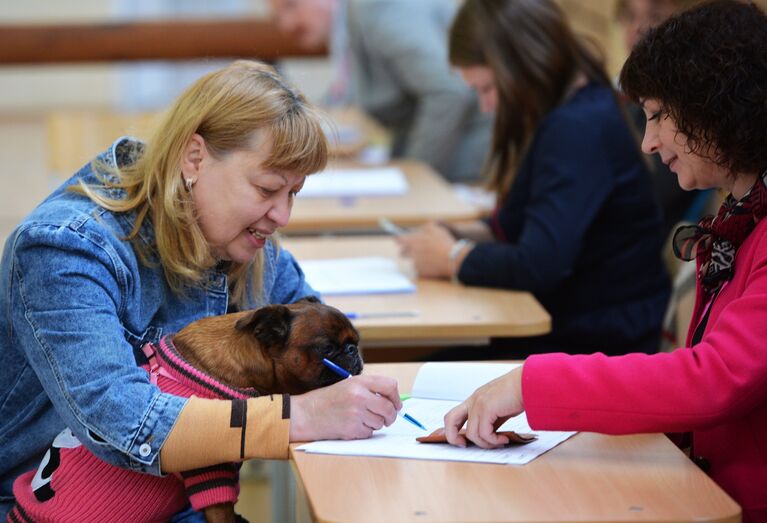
693,170
308,21
239,204
482,80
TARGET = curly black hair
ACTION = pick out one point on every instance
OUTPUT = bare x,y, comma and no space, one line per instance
707,67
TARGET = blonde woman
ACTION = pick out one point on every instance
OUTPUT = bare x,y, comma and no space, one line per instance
142,241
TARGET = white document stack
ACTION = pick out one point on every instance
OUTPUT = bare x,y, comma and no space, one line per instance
438,388
363,275
339,183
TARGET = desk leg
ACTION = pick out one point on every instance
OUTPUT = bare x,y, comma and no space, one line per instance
283,492
303,513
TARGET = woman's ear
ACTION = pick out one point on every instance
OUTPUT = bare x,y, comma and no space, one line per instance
194,152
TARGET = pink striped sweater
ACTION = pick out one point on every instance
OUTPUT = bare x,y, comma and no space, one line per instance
71,484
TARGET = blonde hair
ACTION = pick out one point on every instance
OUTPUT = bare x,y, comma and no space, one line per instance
226,107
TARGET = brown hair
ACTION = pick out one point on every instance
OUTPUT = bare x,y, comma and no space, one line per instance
535,57
226,107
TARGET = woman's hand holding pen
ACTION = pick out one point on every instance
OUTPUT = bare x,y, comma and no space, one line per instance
486,410
429,247
350,409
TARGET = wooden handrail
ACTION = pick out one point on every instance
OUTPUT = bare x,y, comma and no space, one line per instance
147,40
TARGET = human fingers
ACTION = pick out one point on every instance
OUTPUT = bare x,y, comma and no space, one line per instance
373,420
454,421
354,418
383,399
481,422
381,408
487,432
385,387
472,430
405,243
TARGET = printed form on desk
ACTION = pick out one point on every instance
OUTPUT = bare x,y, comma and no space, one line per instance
337,183
363,275
438,388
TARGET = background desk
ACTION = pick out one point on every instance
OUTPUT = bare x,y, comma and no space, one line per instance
74,137
429,198
448,313
590,477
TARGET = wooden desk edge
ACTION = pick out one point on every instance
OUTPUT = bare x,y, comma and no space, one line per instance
406,373
421,333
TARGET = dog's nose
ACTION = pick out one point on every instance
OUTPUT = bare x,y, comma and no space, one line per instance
350,349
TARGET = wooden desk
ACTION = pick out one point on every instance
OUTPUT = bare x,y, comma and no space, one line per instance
75,137
429,198
590,477
365,132
448,313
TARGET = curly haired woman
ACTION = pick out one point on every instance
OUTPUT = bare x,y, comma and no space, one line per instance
701,78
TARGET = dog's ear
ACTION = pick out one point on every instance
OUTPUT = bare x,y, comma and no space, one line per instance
309,299
270,325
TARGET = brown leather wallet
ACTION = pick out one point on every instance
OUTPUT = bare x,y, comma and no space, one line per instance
515,438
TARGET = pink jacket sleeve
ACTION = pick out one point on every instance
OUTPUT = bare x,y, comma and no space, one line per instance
722,377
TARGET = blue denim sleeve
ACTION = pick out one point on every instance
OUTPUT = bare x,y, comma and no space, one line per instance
284,281
69,294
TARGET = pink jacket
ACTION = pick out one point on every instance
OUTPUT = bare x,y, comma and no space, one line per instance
716,389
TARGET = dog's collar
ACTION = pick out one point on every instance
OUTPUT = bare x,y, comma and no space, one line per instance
165,360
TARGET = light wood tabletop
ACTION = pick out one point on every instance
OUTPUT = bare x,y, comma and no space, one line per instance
590,477
350,130
429,197
445,313
75,136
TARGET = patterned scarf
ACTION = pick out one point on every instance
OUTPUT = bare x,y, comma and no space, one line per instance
715,239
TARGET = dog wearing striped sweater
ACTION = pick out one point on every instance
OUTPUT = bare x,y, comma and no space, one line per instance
274,350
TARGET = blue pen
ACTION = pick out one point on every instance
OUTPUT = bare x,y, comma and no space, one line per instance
335,368
382,314
345,374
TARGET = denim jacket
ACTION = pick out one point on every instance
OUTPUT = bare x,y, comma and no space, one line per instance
76,305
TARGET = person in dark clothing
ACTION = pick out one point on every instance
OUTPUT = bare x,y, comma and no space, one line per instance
576,222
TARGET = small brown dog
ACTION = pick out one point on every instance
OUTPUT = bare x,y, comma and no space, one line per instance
274,349
277,349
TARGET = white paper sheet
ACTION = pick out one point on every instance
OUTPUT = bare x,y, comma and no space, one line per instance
445,380
336,183
363,275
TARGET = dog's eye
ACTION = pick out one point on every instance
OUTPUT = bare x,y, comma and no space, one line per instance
326,348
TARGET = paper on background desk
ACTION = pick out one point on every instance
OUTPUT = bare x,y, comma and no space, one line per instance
335,183
454,381
363,275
